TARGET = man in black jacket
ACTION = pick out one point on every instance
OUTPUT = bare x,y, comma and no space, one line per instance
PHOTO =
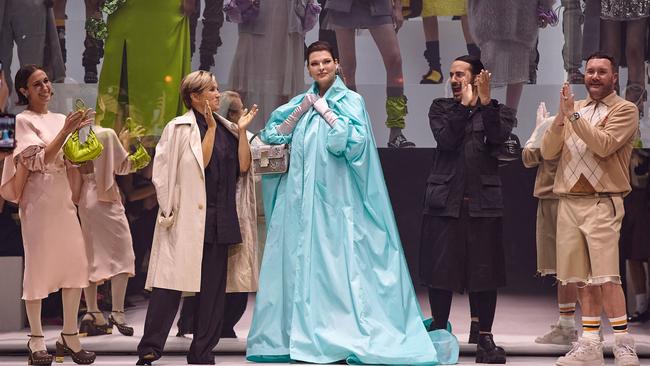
461,247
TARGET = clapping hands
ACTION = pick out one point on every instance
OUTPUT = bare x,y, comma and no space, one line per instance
247,117
567,100
78,119
482,83
542,114
126,134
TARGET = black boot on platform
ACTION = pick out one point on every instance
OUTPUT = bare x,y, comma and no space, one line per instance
488,352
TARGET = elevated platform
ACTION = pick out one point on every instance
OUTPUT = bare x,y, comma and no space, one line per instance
518,321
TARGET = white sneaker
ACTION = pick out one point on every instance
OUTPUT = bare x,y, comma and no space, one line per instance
559,335
585,352
624,351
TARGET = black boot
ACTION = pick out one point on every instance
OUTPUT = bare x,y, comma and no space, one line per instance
488,352
60,31
473,332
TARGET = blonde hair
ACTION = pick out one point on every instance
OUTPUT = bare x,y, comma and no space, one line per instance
195,82
226,100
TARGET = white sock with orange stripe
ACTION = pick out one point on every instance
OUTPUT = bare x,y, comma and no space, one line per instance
567,315
591,328
619,325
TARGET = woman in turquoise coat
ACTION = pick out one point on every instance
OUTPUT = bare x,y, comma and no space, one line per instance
334,284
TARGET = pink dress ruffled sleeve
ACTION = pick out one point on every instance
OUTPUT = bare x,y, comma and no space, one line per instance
55,253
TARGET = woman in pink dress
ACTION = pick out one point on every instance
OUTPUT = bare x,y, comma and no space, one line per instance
35,177
105,228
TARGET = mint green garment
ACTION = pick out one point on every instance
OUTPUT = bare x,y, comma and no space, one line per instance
334,284
151,38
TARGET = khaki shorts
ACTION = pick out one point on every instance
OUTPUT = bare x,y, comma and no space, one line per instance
545,236
588,230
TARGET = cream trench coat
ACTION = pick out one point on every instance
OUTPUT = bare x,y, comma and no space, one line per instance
178,175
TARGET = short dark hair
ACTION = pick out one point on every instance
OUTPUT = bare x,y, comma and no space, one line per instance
473,61
20,81
607,56
319,46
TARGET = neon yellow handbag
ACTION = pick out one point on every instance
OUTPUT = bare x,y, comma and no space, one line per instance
78,152
140,158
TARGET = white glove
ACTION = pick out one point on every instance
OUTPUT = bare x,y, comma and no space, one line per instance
542,114
324,110
542,123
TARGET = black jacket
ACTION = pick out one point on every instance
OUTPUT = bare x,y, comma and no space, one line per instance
464,164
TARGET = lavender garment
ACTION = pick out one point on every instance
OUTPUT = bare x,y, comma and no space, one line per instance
624,9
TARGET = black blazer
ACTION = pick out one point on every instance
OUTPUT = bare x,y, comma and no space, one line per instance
465,163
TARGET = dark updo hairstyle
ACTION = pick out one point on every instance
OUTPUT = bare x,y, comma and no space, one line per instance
319,46
20,81
474,62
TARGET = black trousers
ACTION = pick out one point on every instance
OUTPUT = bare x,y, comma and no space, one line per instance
327,35
482,304
464,253
93,53
209,310
210,37
235,307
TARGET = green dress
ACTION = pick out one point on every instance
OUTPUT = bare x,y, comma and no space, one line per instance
151,40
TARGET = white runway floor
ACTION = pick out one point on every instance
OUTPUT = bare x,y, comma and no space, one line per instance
518,321
231,360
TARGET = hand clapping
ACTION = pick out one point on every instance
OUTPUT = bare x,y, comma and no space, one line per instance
567,101
78,119
482,83
209,117
466,94
247,117
542,114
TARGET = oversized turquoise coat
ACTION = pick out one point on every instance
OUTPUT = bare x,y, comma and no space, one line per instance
334,284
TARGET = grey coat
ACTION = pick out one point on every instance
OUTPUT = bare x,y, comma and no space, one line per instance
377,7
506,32
508,20
258,26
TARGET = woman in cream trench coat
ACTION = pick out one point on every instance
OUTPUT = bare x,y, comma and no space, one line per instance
188,228
199,160
178,175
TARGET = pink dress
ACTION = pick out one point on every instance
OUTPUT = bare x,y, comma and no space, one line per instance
55,253
103,221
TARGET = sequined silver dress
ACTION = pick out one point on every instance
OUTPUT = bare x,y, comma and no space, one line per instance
624,9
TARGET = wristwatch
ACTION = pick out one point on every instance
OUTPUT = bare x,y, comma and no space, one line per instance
574,117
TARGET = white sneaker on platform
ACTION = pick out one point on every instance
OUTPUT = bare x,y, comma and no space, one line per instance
585,352
624,351
559,335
